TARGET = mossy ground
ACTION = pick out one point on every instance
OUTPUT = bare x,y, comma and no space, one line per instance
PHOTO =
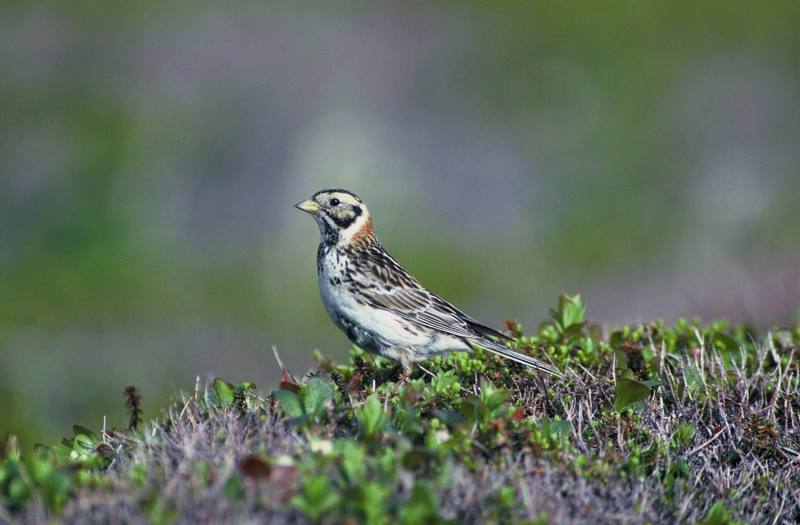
650,424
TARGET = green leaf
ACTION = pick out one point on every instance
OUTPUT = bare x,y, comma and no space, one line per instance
353,460
79,430
39,466
371,417
418,457
450,418
83,441
421,505
223,390
445,383
316,498
559,428
246,386
18,491
621,360
318,392
628,392
616,340
161,511
681,469
240,392
233,489
724,342
493,397
718,514
56,486
374,501
569,312
289,402
573,330
472,409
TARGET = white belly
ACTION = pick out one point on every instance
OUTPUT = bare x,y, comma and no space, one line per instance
374,329
345,311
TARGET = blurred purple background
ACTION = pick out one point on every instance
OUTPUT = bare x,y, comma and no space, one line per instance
646,157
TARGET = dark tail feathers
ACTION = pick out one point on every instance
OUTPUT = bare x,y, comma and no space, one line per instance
502,351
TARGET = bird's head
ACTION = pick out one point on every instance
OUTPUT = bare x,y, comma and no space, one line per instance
340,214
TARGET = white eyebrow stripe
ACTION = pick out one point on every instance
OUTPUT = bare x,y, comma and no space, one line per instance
345,197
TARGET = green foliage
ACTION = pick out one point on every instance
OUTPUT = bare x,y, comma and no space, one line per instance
629,392
223,390
317,393
306,402
335,448
52,473
316,497
718,514
684,435
289,402
568,316
421,506
371,417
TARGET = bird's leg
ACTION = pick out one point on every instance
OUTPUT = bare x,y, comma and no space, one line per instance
395,373
404,365
404,369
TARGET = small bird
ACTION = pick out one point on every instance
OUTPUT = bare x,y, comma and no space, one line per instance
379,305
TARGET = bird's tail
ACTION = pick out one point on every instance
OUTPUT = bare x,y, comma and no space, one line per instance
507,353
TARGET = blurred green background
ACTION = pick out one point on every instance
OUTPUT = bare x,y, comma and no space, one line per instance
642,153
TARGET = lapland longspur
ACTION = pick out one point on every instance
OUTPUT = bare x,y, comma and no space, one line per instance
380,306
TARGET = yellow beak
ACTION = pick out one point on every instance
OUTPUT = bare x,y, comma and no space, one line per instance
307,206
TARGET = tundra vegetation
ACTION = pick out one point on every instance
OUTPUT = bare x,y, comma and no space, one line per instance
691,423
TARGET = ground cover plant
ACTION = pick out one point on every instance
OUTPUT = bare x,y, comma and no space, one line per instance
688,423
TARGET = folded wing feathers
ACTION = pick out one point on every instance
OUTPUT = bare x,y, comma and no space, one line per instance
416,304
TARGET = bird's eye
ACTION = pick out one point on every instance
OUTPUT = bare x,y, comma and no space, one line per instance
334,202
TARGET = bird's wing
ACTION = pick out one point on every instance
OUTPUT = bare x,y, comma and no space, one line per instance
389,287
383,283
423,308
